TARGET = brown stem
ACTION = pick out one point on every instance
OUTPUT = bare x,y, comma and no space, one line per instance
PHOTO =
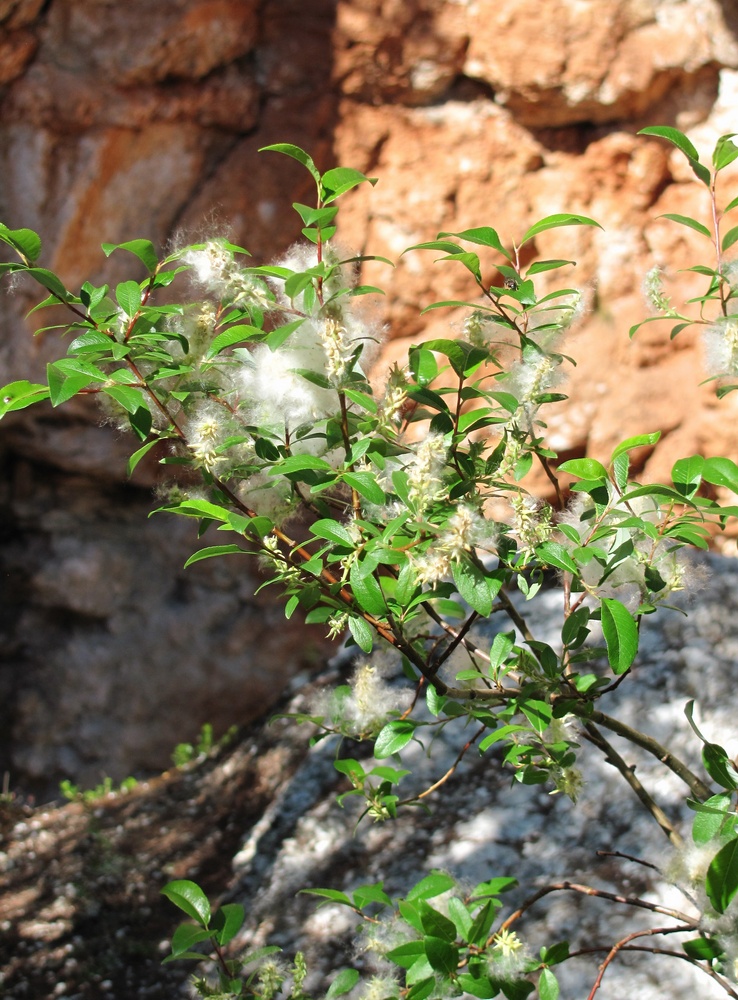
588,890
698,788
442,781
614,758
618,946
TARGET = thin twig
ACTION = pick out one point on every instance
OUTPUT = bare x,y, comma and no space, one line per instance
582,952
698,788
442,781
619,945
588,890
614,758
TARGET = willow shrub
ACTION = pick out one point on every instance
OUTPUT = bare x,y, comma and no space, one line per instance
415,523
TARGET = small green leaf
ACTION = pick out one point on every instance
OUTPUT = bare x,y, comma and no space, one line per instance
24,241
128,296
584,468
725,151
294,464
640,440
337,181
710,817
431,886
442,955
679,139
436,923
721,882
138,455
143,249
685,220
190,898
730,238
228,922
342,984
721,472
393,737
366,485
473,585
213,550
686,474
332,531
235,335
297,154
185,937
50,281
483,236
703,949
554,554
362,633
621,634
553,221
367,592
548,987
674,136
19,395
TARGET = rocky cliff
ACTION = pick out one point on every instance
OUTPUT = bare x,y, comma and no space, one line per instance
140,119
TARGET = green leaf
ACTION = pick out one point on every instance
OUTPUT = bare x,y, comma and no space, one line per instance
555,554
393,737
442,956
469,260
721,472
342,984
483,236
547,265
703,949
674,136
710,817
686,474
538,713
332,531
328,895
49,281
143,249
128,296
431,886
553,221
138,455
548,986
730,238
365,484
640,440
367,592
685,220
584,468
436,923
362,633
682,143
721,882
423,365
214,550
725,151
185,937
337,181
190,898
19,395
294,464
228,922
235,335
24,241
297,154
473,585
621,634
